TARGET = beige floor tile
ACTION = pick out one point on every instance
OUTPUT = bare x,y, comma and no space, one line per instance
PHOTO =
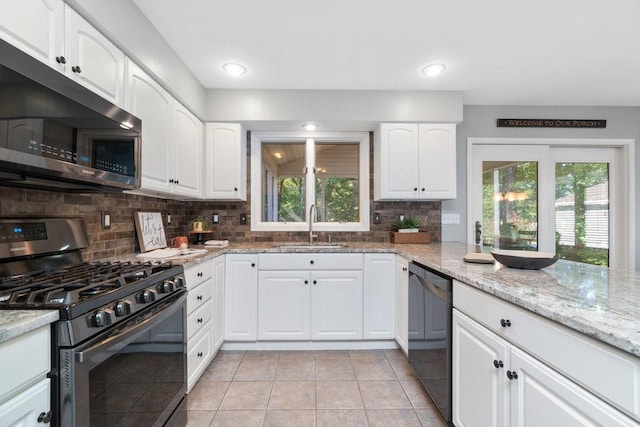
393,417
373,369
256,369
298,354
431,418
417,395
206,395
290,418
334,369
367,354
338,395
246,395
293,395
230,355
239,419
296,368
262,355
333,354
383,395
220,370
341,417
402,368
194,419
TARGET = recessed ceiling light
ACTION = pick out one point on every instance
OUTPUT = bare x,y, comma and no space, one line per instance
309,126
277,155
432,70
234,69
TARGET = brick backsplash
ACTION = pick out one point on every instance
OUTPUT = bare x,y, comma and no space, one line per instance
121,238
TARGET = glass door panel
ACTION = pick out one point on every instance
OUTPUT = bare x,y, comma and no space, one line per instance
582,212
510,205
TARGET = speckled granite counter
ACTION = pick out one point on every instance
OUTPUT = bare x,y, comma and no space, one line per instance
14,323
599,302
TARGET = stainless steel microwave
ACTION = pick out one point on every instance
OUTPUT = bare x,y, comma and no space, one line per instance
57,135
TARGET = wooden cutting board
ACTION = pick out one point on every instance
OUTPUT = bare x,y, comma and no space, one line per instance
479,258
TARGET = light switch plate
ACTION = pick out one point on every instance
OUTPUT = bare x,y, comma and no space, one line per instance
450,218
106,220
243,219
215,218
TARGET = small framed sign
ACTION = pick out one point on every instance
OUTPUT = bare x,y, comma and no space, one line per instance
552,123
150,231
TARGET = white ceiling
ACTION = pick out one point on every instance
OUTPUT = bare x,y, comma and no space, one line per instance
498,52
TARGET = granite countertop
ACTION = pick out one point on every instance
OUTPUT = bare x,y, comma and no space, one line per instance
599,302
14,323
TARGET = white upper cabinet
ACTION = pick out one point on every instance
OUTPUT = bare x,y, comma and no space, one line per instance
36,27
187,146
171,138
415,161
55,34
92,60
225,162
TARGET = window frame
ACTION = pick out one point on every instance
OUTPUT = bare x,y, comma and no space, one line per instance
309,138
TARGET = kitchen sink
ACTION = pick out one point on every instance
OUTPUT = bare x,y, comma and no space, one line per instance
311,246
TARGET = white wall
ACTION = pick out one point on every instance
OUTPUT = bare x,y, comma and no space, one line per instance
480,121
129,29
333,109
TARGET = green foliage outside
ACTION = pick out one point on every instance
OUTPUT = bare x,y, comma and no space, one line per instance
291,191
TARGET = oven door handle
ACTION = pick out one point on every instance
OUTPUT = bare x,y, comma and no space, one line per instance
439,293
120,340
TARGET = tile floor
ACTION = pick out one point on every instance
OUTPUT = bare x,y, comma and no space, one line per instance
309,388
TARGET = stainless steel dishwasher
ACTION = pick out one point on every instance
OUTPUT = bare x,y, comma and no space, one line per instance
430,305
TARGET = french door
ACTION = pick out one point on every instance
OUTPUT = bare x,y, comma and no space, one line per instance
566,200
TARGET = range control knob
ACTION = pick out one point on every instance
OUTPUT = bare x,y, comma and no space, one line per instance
122,308
178,282
147,296
101,318
166,287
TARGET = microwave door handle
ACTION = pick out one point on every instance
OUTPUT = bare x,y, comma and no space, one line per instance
117,342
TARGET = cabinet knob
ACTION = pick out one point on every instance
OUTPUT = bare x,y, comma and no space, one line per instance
235,188
498,363
306,282
423,189
253,264
44,418
404,268
311,262
415,188
76,69
199,297
200,354
199,320
171,181
61,60
512,375
315,282
177,182
505,323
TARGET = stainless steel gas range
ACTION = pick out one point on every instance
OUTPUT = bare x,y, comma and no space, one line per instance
118,350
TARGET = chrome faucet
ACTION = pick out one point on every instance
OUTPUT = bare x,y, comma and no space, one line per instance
312,211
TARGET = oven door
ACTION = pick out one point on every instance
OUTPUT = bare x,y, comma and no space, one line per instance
134,374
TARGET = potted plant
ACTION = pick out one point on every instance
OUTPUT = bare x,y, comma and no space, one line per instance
407,225
408,231
199,224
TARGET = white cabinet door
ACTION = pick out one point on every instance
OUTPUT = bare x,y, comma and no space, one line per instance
402,303
153,105
225,162
379,296
437,156
187,147
92,60
218,302
396,161
542,397
284,305
199,354
241,297
25,408
36,27
479,366
336,305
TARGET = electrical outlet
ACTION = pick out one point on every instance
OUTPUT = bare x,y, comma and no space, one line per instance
401,217
377,218
450,218
243,219
106,220
215,218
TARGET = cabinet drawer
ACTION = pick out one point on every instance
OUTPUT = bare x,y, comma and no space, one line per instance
198,296
310,261
25,408
197,319
32,353
606,371
197,274
198,354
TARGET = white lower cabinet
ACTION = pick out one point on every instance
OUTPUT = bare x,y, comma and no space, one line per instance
499,379
336,305
241,297
379,296
402,303
218,302
25,392
200,308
